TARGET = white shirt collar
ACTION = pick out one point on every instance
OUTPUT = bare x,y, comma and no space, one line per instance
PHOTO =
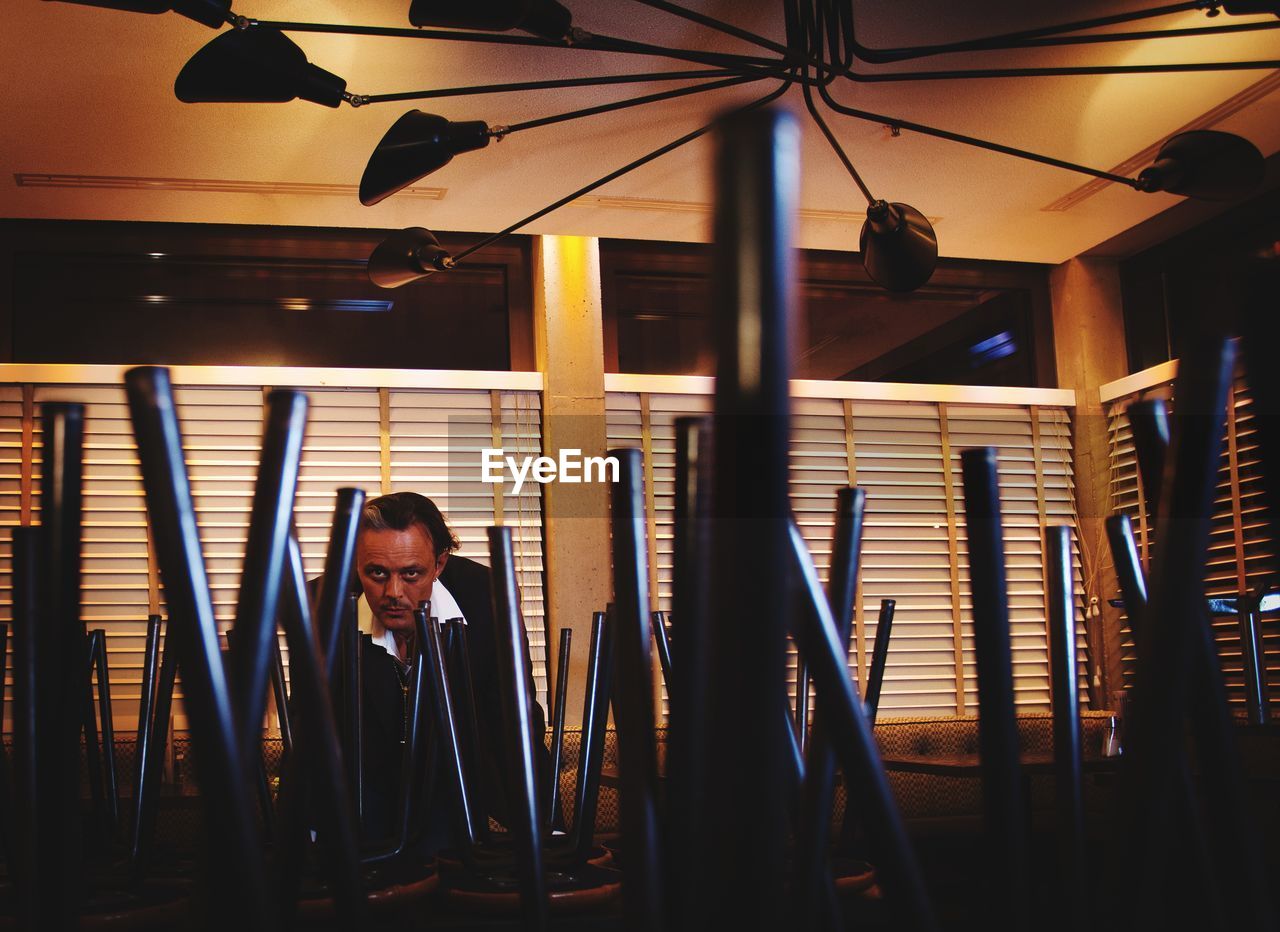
443,607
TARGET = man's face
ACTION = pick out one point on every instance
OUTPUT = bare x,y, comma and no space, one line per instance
397,570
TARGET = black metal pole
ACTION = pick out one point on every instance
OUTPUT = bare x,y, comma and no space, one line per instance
8,842
68,696
4,666
1004,810
557,727
871,703
1149,423
428,632
33,727
92,747
595,719
1155,746
813,832
1133,585
262,578
108,728
515,687
146,708
336,582
1072,876
879,659
633,698
147,793
414,763
235,850
826,653
280,696
318,750
353,702
1133,588
688,841
802,705
464,697
1257,696
753,275
1263,284
663,641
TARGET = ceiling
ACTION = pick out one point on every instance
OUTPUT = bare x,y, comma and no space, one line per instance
93,130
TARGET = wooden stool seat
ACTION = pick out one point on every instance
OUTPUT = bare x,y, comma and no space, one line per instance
852,875
390,888
584,889
502,857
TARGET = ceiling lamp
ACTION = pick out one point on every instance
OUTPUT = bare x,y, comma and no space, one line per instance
1207,165
212,13
416,145
256,65
899,248
541,17
821,53
407,256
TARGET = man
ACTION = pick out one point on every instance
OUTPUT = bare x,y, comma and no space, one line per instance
405,556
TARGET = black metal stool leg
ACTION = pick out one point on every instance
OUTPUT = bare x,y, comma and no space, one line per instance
557,728
1073,896
515,685
1005,814
236,852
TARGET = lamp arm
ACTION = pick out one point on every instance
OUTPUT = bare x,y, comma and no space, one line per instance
593,81
972,141
601,43
578,40
1144,35
815,41
1008,40
737,32
492,38
718,25
500,132
984,73
617,173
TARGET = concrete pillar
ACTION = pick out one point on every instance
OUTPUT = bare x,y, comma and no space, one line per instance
569,345
1089,344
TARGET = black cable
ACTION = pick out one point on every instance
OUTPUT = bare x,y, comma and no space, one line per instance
970,140
623,104
617,173
1005,40
541,85
815,37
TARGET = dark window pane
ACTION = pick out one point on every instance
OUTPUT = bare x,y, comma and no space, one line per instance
975,323
263,296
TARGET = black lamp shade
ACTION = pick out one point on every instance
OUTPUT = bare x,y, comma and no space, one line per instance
212,13
255,65
1205,164
405,257
415,146
899,248
545,18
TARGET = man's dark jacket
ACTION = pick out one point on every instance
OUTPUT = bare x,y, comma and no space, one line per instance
383,722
